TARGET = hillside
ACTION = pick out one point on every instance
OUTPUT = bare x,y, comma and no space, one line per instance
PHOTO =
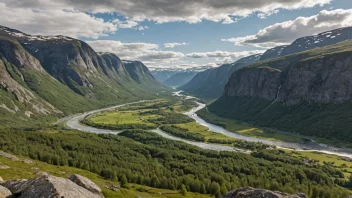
308,93
43,77
179,78
210,83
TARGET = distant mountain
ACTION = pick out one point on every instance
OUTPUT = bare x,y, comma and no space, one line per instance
310,42
163,74
308,92
56,75
180,78
210,83
272,53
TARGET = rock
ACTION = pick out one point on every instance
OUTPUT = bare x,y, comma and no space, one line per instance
27,161
2,167
113,187
4,192
41,173
1,179
48,186
9,156
15,186
86,183
248,192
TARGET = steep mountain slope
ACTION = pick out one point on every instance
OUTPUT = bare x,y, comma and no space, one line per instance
58,75
310,42
179,78
308,92
210,83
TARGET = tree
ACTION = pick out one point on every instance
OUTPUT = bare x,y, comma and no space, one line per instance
223,189
183,190
123,181
215,189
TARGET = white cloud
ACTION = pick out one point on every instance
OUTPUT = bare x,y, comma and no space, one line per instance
140,28
223,54
54,22
225,11
146,52
286,32
172,45
125,24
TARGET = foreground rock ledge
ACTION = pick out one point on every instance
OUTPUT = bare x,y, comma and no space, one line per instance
48,186
248,192
87,184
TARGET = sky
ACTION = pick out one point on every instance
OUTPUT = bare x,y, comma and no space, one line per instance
178,33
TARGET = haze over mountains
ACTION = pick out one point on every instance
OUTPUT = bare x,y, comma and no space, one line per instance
49,75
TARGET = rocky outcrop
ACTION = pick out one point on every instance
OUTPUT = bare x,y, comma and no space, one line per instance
86,183
248,192
4,192
48,186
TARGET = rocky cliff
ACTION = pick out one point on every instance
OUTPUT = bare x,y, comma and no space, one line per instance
319,76
309,93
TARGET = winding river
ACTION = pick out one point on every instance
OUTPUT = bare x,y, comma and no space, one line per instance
73,122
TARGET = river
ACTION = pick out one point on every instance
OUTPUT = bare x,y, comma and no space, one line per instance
73,122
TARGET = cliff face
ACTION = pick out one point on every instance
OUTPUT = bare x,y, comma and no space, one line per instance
308,93
292,80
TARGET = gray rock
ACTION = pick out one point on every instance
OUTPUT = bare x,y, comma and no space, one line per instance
48,186
86,183
4,192
9,156
3,167
1,179
248,192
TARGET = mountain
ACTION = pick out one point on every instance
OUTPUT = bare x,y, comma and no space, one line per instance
210,83
272,53
310,42
163,74
308,93
57,75
179,78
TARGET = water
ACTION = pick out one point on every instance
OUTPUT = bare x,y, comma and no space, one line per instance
73,122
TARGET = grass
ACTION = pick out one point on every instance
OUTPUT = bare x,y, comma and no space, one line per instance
21,170
249,130
133,115
321,158
194,127
123,117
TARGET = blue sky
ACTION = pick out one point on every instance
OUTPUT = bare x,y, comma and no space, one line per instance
199,32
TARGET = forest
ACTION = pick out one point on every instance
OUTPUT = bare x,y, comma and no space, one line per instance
142,157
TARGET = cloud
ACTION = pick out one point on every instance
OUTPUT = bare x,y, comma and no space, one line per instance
172,45
125,24
54,22
286,32
224,55
146,52
225,11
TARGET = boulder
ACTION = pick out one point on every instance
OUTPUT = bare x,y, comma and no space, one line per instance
86,183
1,179
248,192
48,186
4,192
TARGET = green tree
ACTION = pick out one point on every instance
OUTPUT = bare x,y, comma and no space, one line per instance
183,190
123,181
